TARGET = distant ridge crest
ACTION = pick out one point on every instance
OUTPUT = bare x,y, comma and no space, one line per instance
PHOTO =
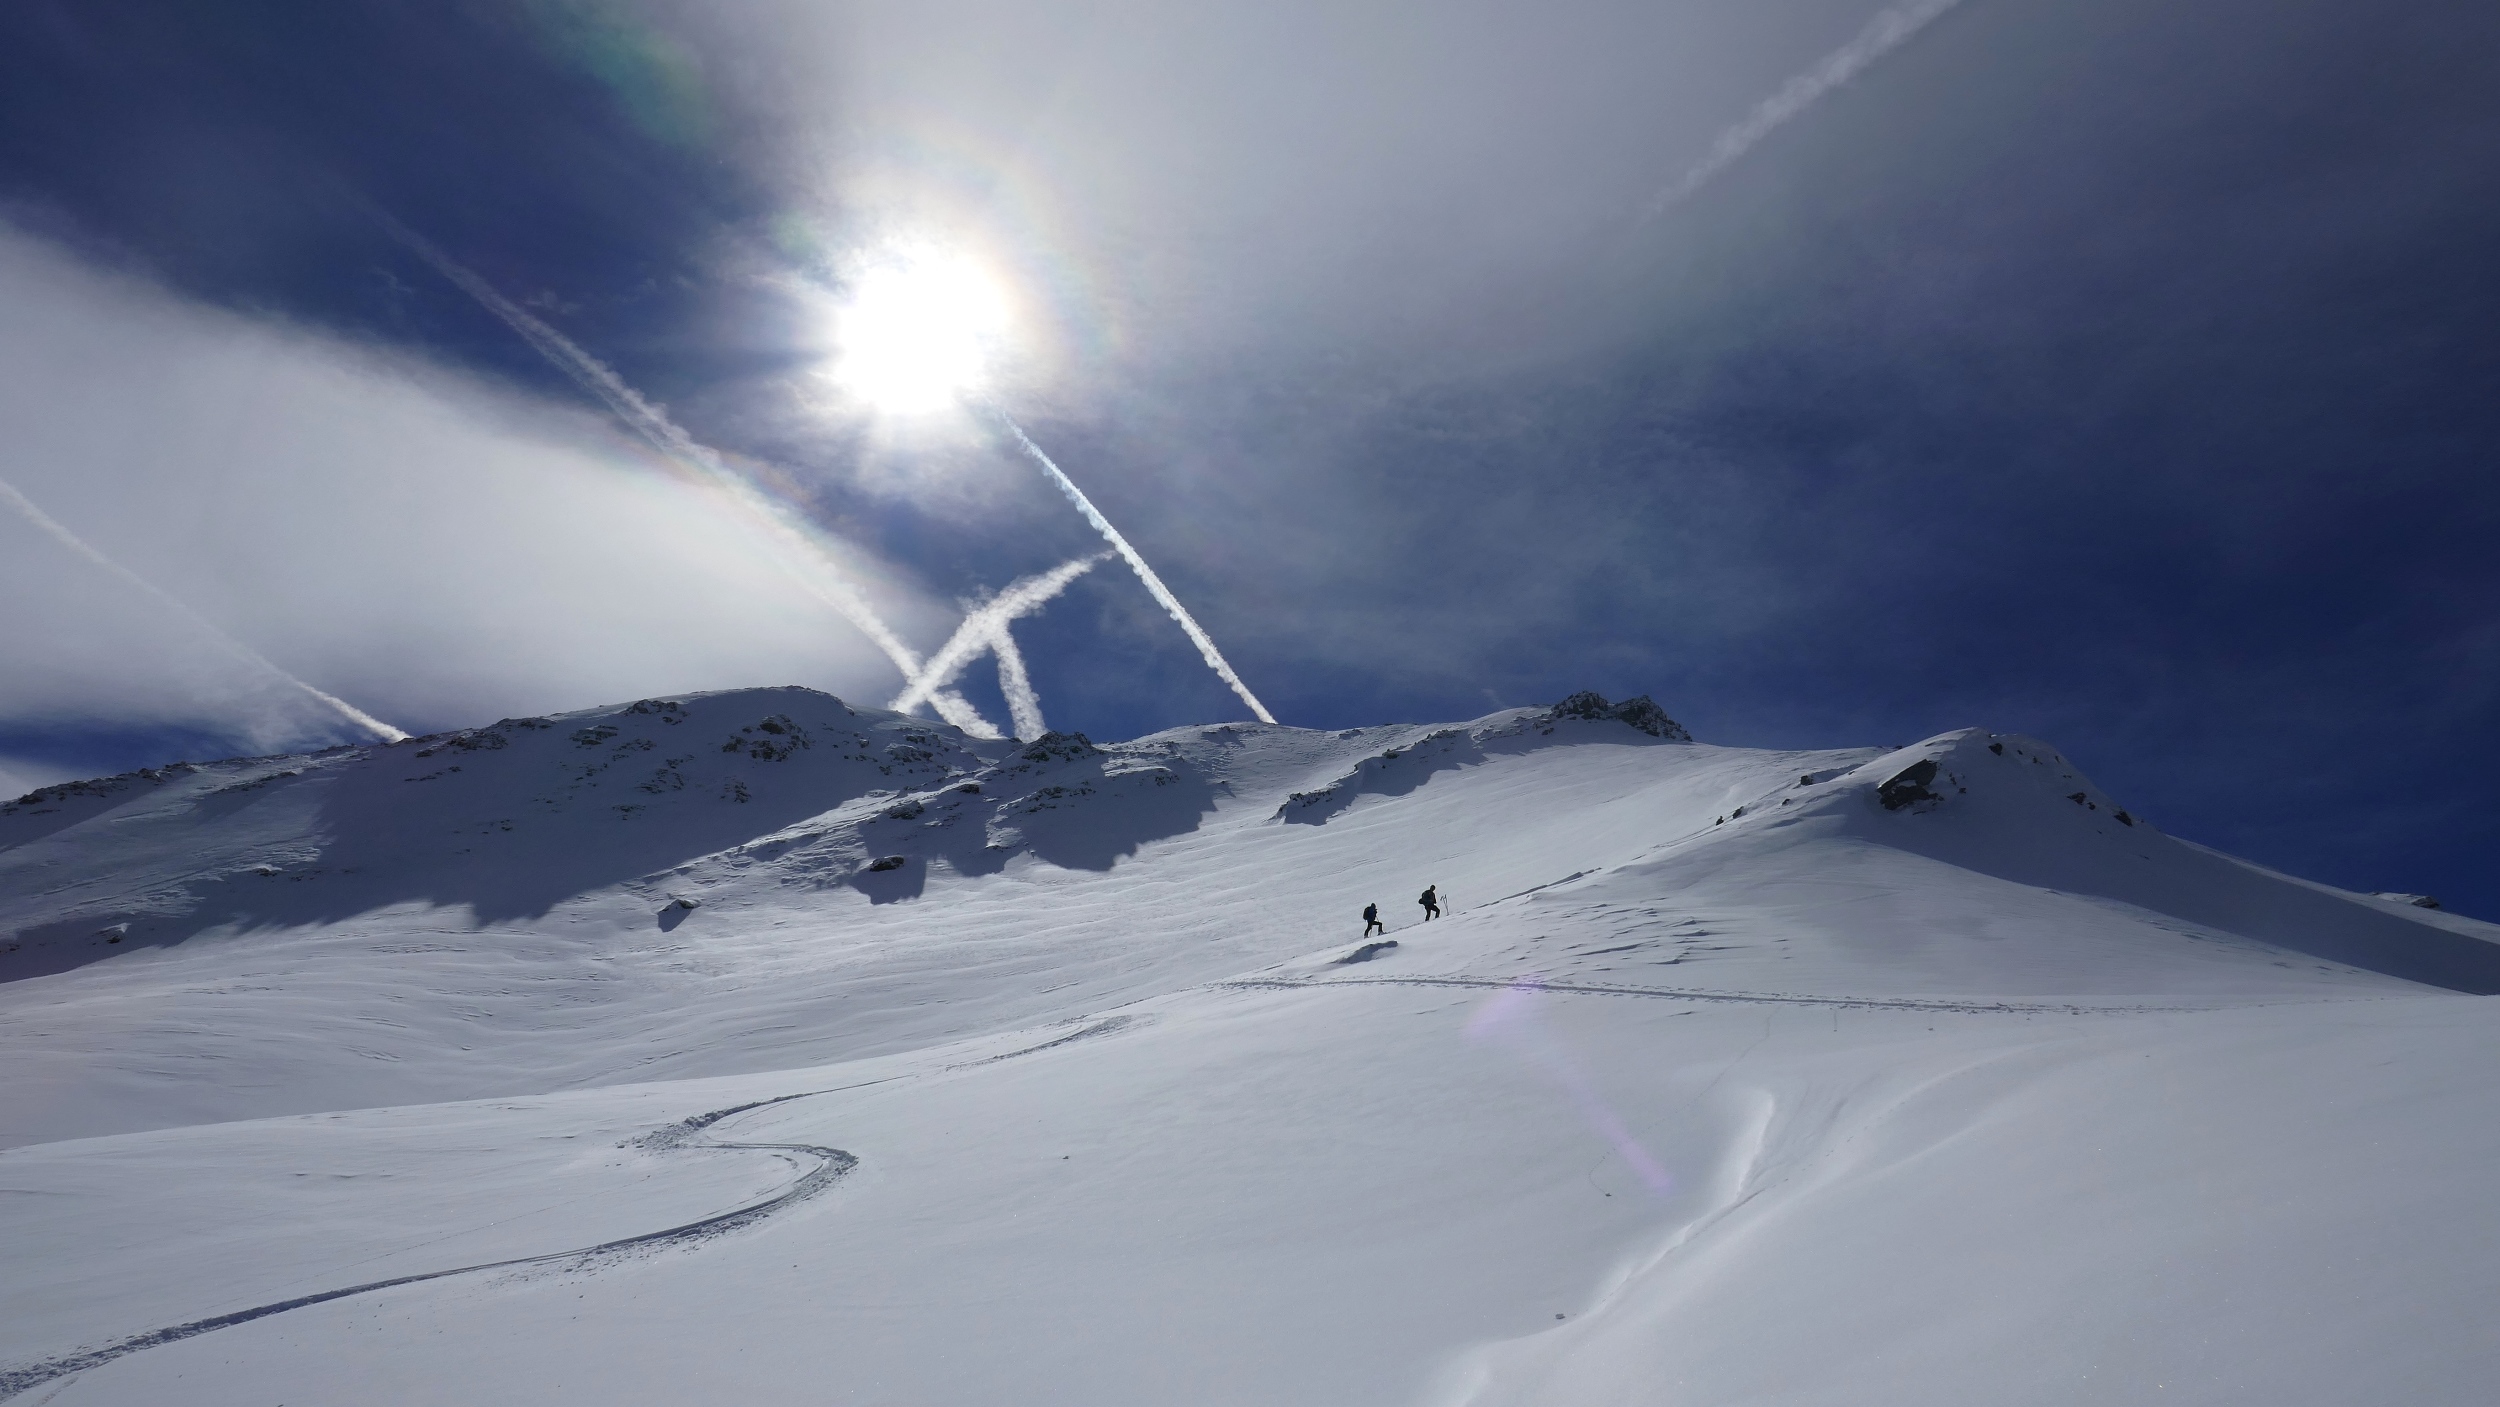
1640,712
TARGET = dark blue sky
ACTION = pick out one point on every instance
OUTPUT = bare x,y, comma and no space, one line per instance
2121,373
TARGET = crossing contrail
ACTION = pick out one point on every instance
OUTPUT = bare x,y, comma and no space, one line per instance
26,508
983,625
1888,31
792,543
1154,584
1024,707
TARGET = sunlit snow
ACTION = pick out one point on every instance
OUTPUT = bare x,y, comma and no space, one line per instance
753,1047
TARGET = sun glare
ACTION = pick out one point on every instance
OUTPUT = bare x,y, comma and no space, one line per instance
918,331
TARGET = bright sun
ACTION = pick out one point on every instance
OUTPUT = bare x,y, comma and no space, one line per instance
917,331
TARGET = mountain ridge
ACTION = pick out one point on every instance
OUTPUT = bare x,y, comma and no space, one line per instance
631,871
1892,1075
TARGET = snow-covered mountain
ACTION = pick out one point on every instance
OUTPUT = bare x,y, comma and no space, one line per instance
749,1043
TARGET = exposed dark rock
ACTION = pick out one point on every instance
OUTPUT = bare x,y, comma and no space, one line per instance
1640,713
1060,747
1997,748
1305,799
1585,704
1908,785
890,862
667,778
782,738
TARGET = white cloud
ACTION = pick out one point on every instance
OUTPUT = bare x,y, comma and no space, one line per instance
430,547
1187,181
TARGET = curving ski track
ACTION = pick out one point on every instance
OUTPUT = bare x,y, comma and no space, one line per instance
830,1165
1103,1027
1603,989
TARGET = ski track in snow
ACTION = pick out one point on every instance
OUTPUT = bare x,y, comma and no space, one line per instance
1834,1194
1103,1027
831,1164
1600,989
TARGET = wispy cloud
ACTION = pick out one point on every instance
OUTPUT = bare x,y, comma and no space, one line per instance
27,509
1888,31
792,545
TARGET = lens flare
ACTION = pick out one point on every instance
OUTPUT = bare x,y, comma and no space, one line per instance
1509,1018
918,331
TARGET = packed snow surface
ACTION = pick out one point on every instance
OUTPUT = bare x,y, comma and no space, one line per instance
749,1046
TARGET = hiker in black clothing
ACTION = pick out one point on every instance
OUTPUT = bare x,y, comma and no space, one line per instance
1431,901
1371,920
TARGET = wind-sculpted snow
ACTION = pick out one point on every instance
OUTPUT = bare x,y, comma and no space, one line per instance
588,895
1888,1076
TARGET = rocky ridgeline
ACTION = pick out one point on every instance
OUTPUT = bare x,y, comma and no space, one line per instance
98,787
1402,768
1639,713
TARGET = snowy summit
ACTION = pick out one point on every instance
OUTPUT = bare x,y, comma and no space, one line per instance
755,1046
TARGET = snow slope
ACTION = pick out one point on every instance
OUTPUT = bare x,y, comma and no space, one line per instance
1915,1075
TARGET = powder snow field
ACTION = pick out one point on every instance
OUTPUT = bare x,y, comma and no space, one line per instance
759,1048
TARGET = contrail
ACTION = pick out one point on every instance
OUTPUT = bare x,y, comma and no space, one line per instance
982,626
1024,706
828,583
1886,32
1171,603
26,508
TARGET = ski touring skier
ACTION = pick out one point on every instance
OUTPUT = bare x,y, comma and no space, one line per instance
1371,920
1431,901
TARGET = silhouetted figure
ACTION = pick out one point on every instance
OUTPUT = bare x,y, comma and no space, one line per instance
1371,920
1431,901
